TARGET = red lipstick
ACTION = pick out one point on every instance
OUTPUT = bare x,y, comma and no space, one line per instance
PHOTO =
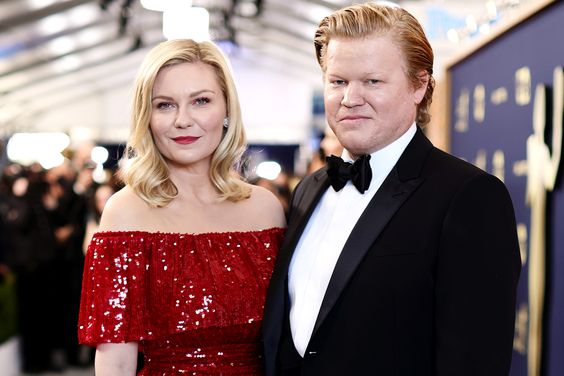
185,140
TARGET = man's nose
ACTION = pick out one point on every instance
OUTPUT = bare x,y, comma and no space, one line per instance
353,95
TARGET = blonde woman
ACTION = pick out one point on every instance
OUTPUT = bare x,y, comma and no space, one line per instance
181,262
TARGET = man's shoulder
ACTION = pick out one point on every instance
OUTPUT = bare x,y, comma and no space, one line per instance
315,176
457,172
309,180
453,164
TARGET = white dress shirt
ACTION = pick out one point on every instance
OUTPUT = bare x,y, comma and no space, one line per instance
324,237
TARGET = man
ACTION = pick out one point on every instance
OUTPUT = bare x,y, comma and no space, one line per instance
411,268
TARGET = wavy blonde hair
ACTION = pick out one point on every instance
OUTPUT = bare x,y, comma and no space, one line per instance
145,169
362,20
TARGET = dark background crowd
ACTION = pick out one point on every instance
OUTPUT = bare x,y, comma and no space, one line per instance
44,217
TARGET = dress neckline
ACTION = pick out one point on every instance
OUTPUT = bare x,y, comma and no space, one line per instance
186,234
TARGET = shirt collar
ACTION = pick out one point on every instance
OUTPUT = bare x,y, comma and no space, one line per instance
383,160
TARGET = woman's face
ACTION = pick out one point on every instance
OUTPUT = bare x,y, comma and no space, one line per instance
188,108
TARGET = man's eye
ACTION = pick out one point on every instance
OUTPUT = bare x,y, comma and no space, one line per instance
373,81
338,82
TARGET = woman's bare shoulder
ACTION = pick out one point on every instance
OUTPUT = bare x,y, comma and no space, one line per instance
124,211
265,205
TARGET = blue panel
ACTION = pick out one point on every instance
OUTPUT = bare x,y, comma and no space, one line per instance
538,44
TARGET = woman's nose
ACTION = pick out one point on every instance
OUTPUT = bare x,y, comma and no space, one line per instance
183,119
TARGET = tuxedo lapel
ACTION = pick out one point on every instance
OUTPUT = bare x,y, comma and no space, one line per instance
304,202
402,181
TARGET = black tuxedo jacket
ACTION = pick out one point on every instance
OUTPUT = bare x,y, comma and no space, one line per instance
426,282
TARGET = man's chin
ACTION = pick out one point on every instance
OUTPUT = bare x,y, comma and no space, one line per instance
355,151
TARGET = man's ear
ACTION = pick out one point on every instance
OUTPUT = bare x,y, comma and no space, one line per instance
421,89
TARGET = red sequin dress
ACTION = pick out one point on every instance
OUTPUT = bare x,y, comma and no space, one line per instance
194,302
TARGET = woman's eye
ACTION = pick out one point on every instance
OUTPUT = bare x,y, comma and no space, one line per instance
201,101
164,105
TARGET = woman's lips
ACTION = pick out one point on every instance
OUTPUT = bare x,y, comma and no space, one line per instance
184,140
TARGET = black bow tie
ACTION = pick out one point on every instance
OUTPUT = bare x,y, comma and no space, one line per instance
358,172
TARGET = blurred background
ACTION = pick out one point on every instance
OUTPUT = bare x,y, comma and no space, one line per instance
66,75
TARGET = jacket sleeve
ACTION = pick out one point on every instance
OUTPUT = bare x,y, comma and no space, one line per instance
478,268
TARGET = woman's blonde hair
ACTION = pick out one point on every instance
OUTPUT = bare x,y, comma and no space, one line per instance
145,169
362,20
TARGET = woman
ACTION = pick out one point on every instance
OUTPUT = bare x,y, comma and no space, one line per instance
101,195
180,267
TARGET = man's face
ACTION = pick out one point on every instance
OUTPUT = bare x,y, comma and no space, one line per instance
369,101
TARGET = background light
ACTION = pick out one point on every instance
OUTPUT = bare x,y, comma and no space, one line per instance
452,35
162,5
186,22
99,174
48,161
99,154
471,23
35,4
484,28
45,148
491,10
67,63
62,45
156,5
268,170
52,24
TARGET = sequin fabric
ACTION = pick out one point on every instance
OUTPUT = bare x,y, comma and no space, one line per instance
194,302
